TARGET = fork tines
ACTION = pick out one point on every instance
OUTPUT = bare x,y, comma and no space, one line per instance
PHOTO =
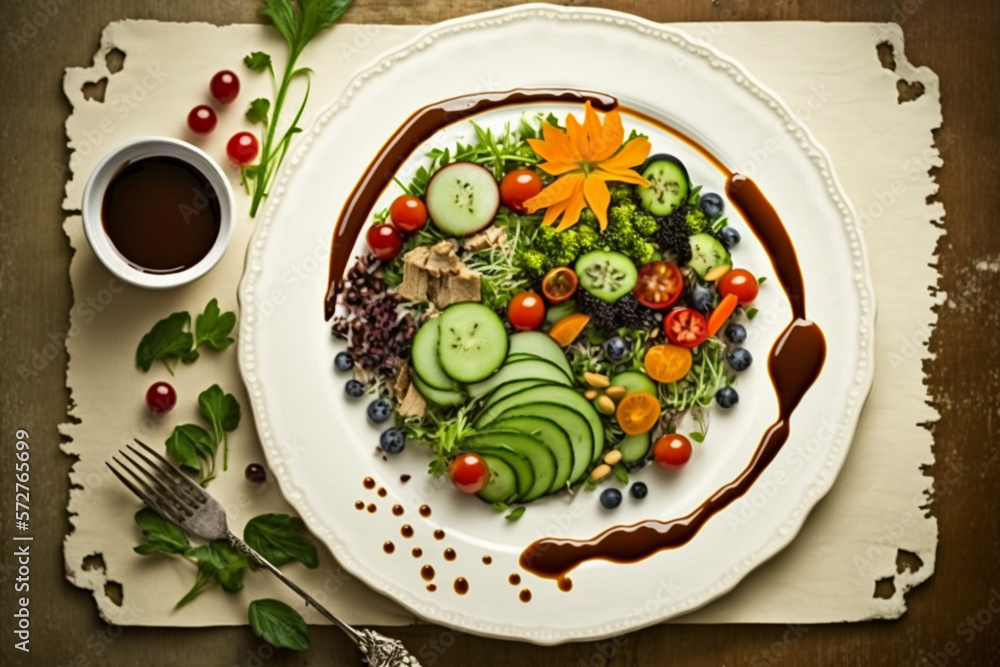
159,483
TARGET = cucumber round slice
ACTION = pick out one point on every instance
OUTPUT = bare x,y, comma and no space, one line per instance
462,198
441,397
635,448
607,275
424,354
473,342
502,486
669,184
707,253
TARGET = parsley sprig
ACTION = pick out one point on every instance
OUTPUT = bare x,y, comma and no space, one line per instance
298,24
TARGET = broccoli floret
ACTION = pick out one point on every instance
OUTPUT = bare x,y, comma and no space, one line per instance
620,215
630,230
620,193
644,223
588,237
588,217
534,262
696,220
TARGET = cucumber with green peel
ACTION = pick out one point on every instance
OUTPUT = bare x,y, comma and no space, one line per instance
525,369
523,472
634,381
508,388
462,198
635,448
551,435
502,484
707,253
442,397
538,456
472,343
669,184
606,274
540,345
424,353
572,422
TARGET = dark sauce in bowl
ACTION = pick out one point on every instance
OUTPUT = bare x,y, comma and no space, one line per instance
161,214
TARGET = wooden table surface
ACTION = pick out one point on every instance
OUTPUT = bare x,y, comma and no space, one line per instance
952,619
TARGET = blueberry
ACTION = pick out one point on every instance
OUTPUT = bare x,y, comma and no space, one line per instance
701,298
729,237
255,473
343,362
611,498
615,348
379,410
354,388
727,397
392,441
739,359
639,490
736,333
712,204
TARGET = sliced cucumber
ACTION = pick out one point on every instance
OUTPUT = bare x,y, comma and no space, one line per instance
669,184
424,353
502,485
540,345
607,275
443,397
509,388
473,342
634,381
550,434
634,448
462,198
540,457
572,422
525,369
557,312
707,253
523,472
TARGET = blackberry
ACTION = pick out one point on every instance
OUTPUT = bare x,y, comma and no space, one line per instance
609,317
672,236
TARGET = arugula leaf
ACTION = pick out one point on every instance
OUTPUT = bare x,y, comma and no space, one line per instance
194,448
516,513
697,436
277,537
223,412
257,61
213,326
278,624
217,562
760,281
166,340
621,472
257,113
751,313
162,536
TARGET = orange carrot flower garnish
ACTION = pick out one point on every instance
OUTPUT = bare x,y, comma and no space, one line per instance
585,158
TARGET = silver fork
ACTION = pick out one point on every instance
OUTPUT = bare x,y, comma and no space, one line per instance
178,498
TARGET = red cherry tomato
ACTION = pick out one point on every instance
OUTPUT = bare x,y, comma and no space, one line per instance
526,311
469,473
202,119
559,284
225,86
519,186
685,327
161,398
242,148
672,451
740,282
408,213
384,241
658,285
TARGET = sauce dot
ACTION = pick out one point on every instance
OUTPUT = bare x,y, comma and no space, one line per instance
432,587
427,572
406,531
360,505
449,554
487,560
372,508
382,492
397,510
514,579
417,552
369,483
565,584
438,534
388,547
461,586
404,478
525,595
425,511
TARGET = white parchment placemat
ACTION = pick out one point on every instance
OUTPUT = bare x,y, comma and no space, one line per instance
873,526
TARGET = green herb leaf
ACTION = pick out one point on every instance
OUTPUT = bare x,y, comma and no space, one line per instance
258,61
760,281
217,562
279,539
500,507
751,313
621,472
278,624
194,448
318,15
213,326
516,513
257,113
166,340
222,410
697,436
162,536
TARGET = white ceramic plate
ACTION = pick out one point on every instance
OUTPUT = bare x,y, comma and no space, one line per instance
320,447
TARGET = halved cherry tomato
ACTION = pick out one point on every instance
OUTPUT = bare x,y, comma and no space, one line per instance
518,187
638,412
526,311
568,328
721,313
559,284
740,282
384,241
685,327
668,363
672,451
658,285
469,473
408,213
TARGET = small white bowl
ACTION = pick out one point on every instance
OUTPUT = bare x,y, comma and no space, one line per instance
93,200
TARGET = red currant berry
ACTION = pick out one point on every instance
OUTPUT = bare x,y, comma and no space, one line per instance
202,119
161,397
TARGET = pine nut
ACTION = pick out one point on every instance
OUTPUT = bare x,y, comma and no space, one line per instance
597,380
605,405
613,457
616,393
600,472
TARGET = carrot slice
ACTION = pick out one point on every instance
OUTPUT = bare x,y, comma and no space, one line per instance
638,412
668,363
721,313
568,328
